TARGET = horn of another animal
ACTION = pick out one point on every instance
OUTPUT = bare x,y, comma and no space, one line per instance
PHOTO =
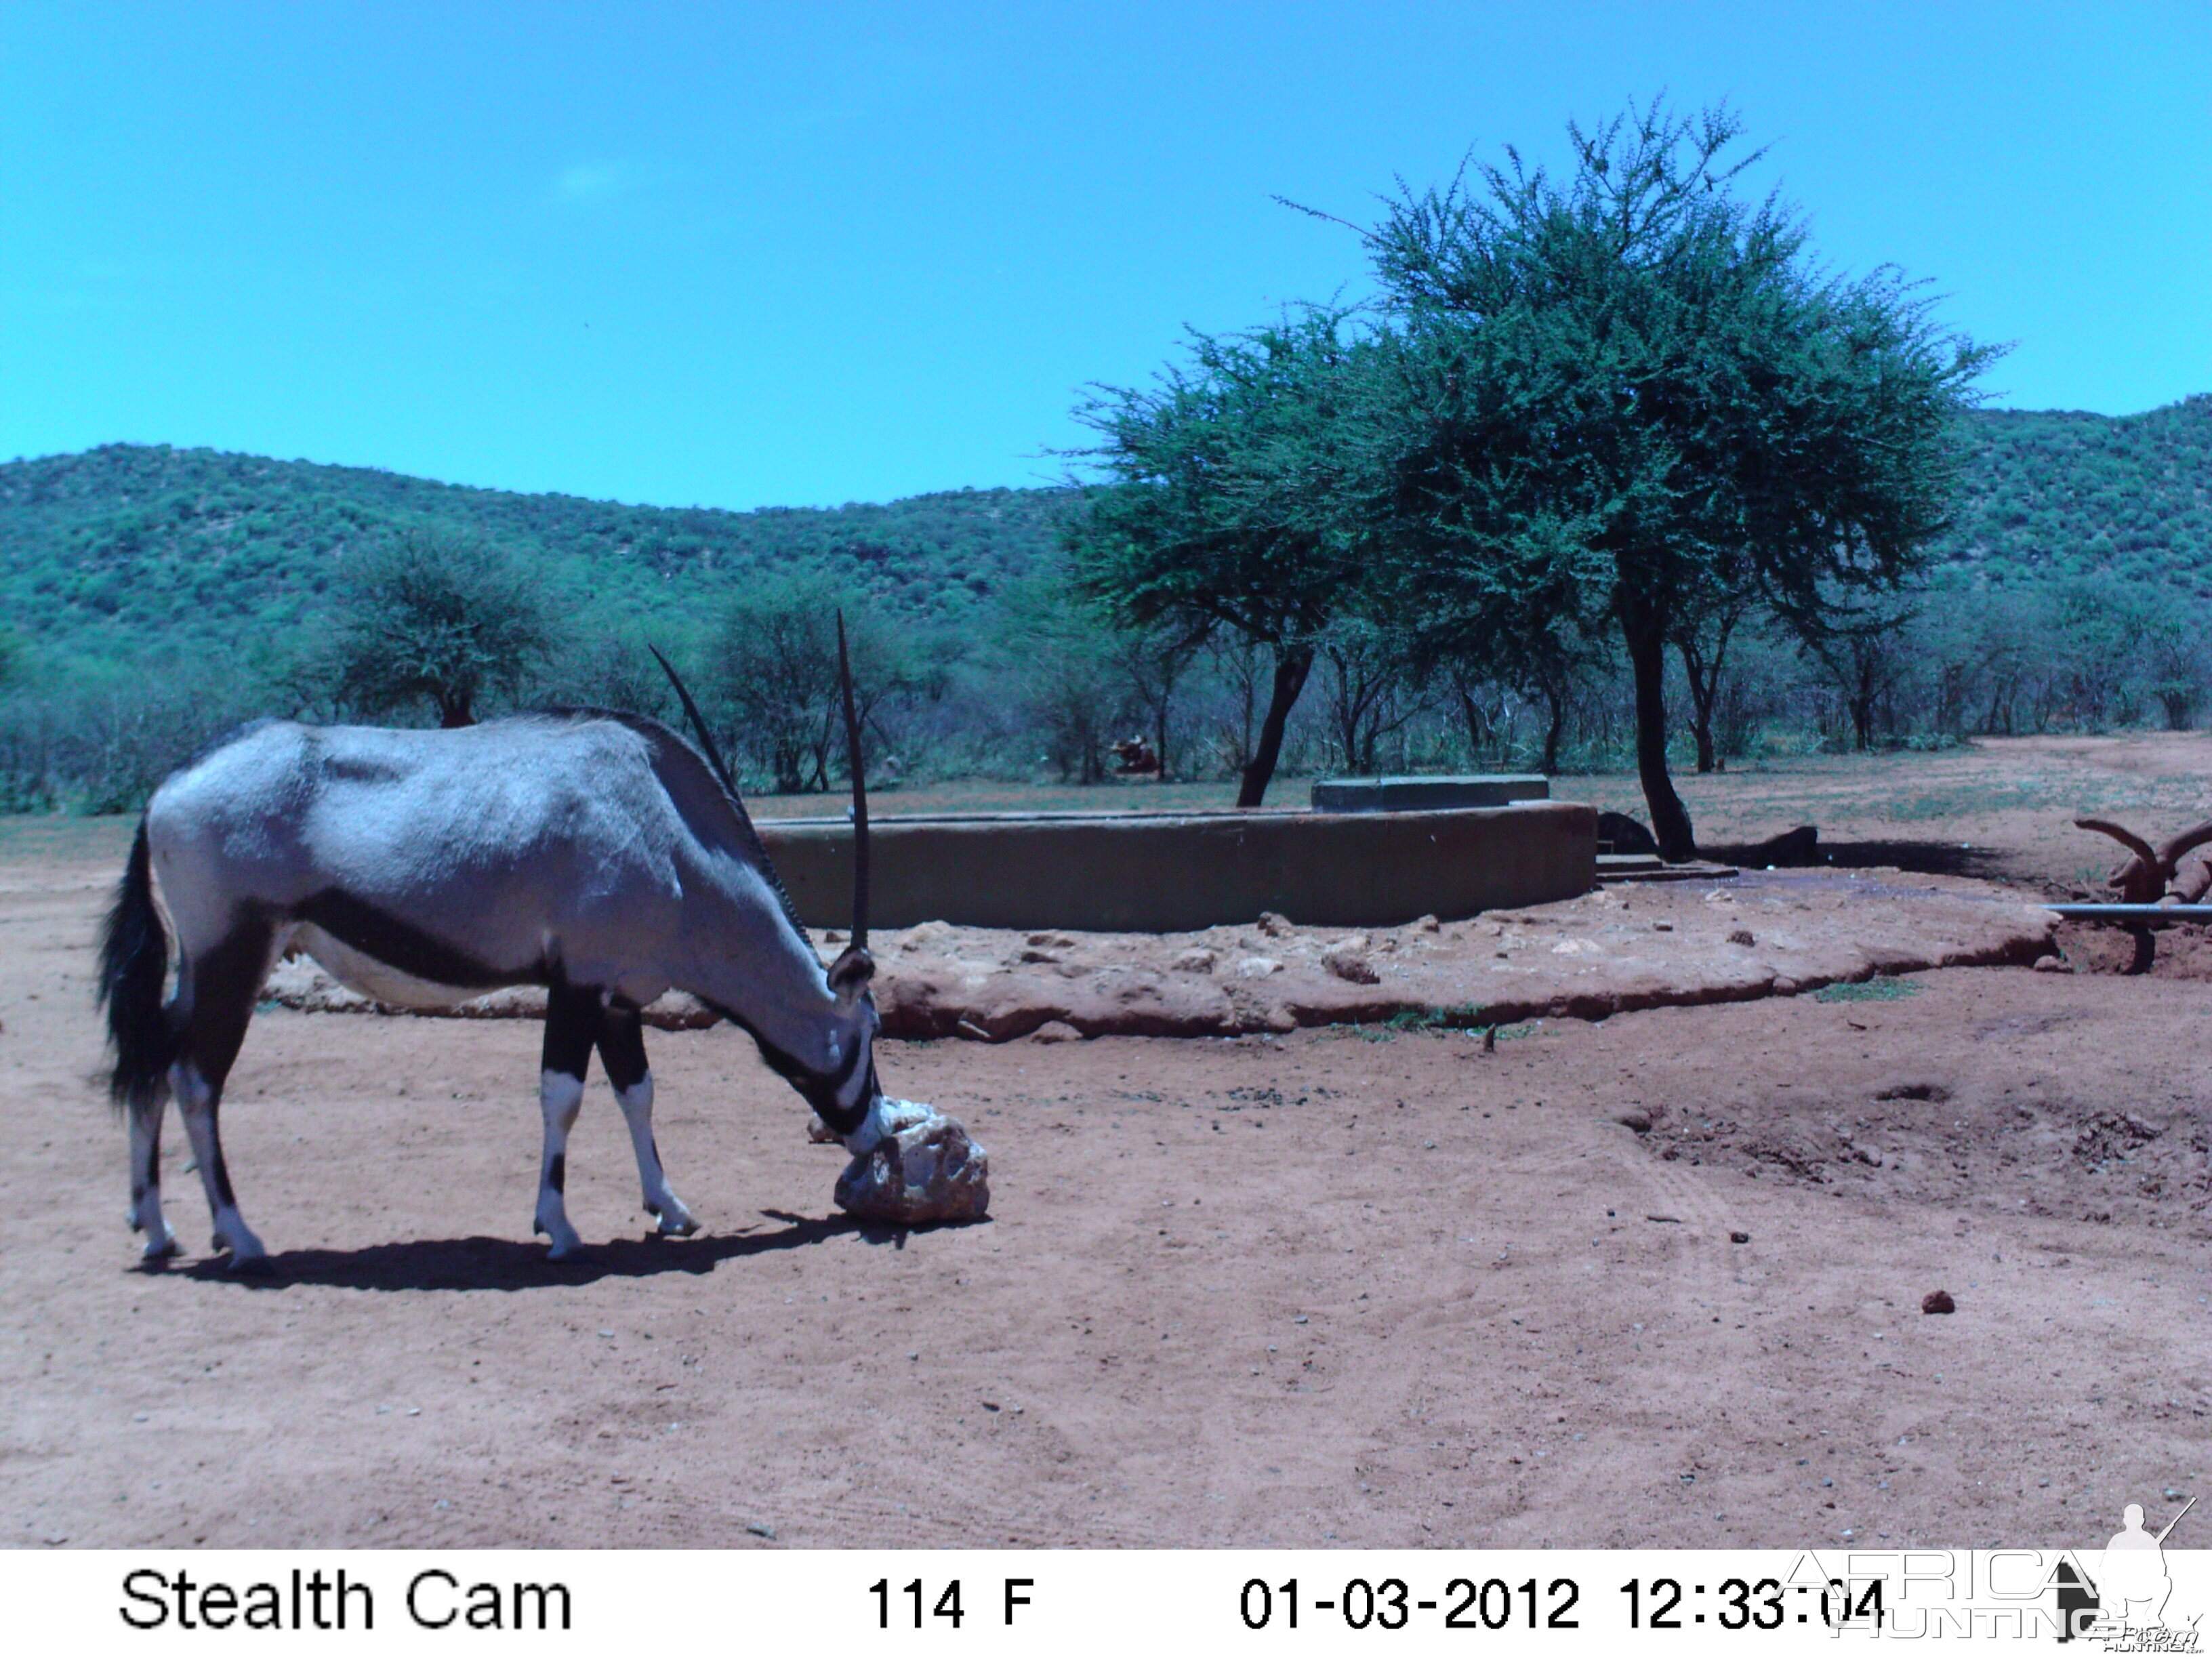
2126,838
2187,841
2190,885
698,721
2141,879
859,793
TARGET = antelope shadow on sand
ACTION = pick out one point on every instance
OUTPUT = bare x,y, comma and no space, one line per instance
481,1263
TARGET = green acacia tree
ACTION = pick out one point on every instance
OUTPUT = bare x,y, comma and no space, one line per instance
773,668
442,621
1236,500
1629,395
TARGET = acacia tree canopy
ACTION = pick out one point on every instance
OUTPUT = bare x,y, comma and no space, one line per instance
446,623
1629,395
773,670
1234,499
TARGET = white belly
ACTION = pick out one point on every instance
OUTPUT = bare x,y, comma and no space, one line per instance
372,978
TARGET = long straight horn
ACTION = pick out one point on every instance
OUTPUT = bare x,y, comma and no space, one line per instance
859,794
698,721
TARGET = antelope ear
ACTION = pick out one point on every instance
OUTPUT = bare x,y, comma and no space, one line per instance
850,974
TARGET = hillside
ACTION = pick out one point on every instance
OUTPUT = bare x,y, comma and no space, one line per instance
129,555
134,554
2054,494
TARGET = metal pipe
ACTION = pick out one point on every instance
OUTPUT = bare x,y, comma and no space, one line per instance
2133,912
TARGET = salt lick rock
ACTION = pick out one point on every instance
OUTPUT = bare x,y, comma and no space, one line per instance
926,1169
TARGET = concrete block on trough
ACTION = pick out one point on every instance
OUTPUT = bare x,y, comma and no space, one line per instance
1179,873
1428,794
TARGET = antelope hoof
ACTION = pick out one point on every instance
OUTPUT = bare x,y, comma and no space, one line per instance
676,1221
159,1250
233,1235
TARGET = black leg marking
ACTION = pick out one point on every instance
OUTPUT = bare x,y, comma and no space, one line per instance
621,1047
146,1114
224,982
216,995
571,1026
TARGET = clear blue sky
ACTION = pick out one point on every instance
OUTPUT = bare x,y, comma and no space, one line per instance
748,255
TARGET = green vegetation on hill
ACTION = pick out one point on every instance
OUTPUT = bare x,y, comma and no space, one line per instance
2057,494
128,557
155,597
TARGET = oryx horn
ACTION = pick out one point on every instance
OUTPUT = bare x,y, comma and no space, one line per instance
698,722
859,794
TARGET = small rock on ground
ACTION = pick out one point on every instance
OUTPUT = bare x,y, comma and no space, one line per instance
1350,964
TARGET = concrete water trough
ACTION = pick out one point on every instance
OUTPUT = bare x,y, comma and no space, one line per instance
1419,794
1179,872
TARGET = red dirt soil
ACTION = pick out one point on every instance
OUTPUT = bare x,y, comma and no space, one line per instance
1335,1286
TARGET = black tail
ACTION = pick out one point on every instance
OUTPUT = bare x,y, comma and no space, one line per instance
134,971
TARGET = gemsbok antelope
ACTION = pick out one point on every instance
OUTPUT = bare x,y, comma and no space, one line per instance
594,854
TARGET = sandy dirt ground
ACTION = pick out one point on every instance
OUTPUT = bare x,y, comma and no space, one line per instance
1997,807
1344,1285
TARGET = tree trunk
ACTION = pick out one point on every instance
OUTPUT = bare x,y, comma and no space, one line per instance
1478,725
785,761
1670,823
1864,694
1354,693
453,710
1556,702
1292,664
1702,688
1347,731
1703,674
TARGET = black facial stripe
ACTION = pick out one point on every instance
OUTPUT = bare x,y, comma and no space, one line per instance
852,1063
375,934
819,1091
